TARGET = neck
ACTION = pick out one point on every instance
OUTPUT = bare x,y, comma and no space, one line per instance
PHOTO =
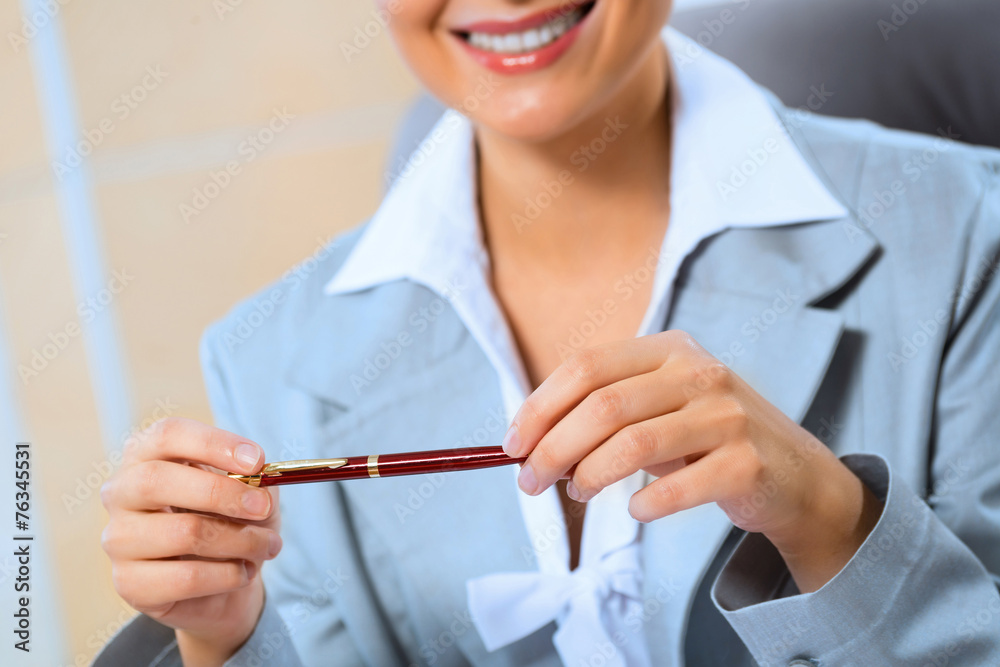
602,187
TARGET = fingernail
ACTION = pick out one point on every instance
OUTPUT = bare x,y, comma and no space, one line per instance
256,502
512,442
273,544
248,455
251,569
526,480
572,491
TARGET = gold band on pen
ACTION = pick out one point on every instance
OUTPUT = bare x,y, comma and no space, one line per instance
373,465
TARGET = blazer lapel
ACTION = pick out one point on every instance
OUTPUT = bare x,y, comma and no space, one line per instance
436,391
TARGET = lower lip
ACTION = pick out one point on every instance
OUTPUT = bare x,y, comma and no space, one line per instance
529,61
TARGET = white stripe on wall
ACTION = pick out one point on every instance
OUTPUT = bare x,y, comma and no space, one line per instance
80,229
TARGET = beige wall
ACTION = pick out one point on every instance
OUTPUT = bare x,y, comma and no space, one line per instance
221,76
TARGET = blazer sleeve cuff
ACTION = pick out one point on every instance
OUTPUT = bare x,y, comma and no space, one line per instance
910,562
270,644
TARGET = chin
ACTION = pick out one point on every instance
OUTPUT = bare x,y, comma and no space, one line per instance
531,116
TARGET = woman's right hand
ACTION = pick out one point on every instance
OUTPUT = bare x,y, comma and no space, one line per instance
186,542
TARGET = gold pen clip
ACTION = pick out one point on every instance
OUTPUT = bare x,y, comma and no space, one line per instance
275,469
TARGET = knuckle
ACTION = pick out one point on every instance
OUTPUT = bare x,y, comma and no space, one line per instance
187,580
608,405
734,417
148,477
258,541
678,340
236,575
125,585
119,580
584,366
108,539
188,532
165,430
748,458
130,450
215,494
691,375
676,336
638,443
108,493
585,480
719,375
544,458
529,410
669,493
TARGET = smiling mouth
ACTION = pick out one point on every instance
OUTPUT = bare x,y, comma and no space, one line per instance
515,40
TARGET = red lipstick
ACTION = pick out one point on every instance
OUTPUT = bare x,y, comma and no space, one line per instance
527,60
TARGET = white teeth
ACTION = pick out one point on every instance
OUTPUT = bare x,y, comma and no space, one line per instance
529,40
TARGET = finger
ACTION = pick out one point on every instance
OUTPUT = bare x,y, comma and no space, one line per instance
598,417
156,485
580,375
646,444
143,536
150,585
704,481
177,439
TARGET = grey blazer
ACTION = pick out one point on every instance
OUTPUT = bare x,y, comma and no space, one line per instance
890,355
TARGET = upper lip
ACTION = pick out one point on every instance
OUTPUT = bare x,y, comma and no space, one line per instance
505,26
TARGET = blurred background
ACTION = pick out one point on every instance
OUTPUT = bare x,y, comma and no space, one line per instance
159,162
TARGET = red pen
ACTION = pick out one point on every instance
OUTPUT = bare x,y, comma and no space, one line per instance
378,465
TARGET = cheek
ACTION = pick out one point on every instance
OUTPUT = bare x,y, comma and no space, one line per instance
412,26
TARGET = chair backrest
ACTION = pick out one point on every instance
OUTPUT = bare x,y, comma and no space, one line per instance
921,65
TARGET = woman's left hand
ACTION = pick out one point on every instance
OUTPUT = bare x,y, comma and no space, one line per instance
662,404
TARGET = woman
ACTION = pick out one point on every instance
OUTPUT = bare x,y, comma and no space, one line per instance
741,481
